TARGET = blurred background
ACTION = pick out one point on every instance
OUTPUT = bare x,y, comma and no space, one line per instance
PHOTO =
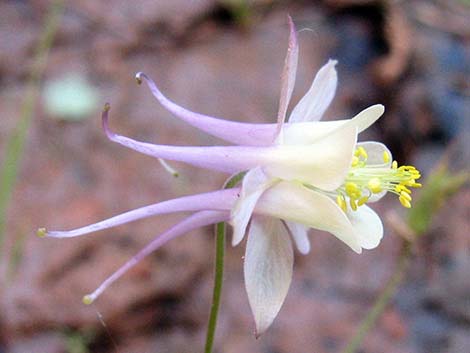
61,61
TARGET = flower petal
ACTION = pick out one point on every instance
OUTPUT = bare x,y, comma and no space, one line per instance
375,157
308,132
299,233
197,220
255,182
367,225
323,164
268,269
294,202
288,77
318,98
375,153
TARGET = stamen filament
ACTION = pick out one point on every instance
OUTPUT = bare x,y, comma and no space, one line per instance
365,179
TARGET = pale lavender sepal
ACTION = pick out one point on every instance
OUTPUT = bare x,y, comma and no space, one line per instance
307,163
217,200
287,77
194,221
247,134
228,159
230,131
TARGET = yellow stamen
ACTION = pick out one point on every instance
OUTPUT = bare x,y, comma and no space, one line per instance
405,195
375,185
355,161
351,189
386,157
405,202
361,152
362,200
400,187
365,178
341,202
353,205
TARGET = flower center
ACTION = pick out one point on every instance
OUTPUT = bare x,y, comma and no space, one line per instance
365,180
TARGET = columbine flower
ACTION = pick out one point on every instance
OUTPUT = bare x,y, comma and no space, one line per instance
301,174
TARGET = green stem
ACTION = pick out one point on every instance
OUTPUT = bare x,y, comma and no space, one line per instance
219,272
16,142
382,301
217,292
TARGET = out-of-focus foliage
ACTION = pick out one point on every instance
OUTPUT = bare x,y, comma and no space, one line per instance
439,186
70,98
77,341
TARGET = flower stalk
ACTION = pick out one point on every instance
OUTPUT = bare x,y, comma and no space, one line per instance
220,230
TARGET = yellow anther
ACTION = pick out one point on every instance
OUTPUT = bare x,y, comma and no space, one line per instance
365,180
361,152
400,187
355,161
362,200
386,157
375,185
41,232
405,202
341,202
87,299
353,205
352,189
405,195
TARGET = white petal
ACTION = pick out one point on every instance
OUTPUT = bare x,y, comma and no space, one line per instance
268,269
367,225
291,201
368,116
255,182
288,77
299,233
308,132
312,106
375,153
323,164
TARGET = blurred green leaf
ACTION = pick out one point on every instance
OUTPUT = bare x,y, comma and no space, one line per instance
77,341
439,186
240,10
16,141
